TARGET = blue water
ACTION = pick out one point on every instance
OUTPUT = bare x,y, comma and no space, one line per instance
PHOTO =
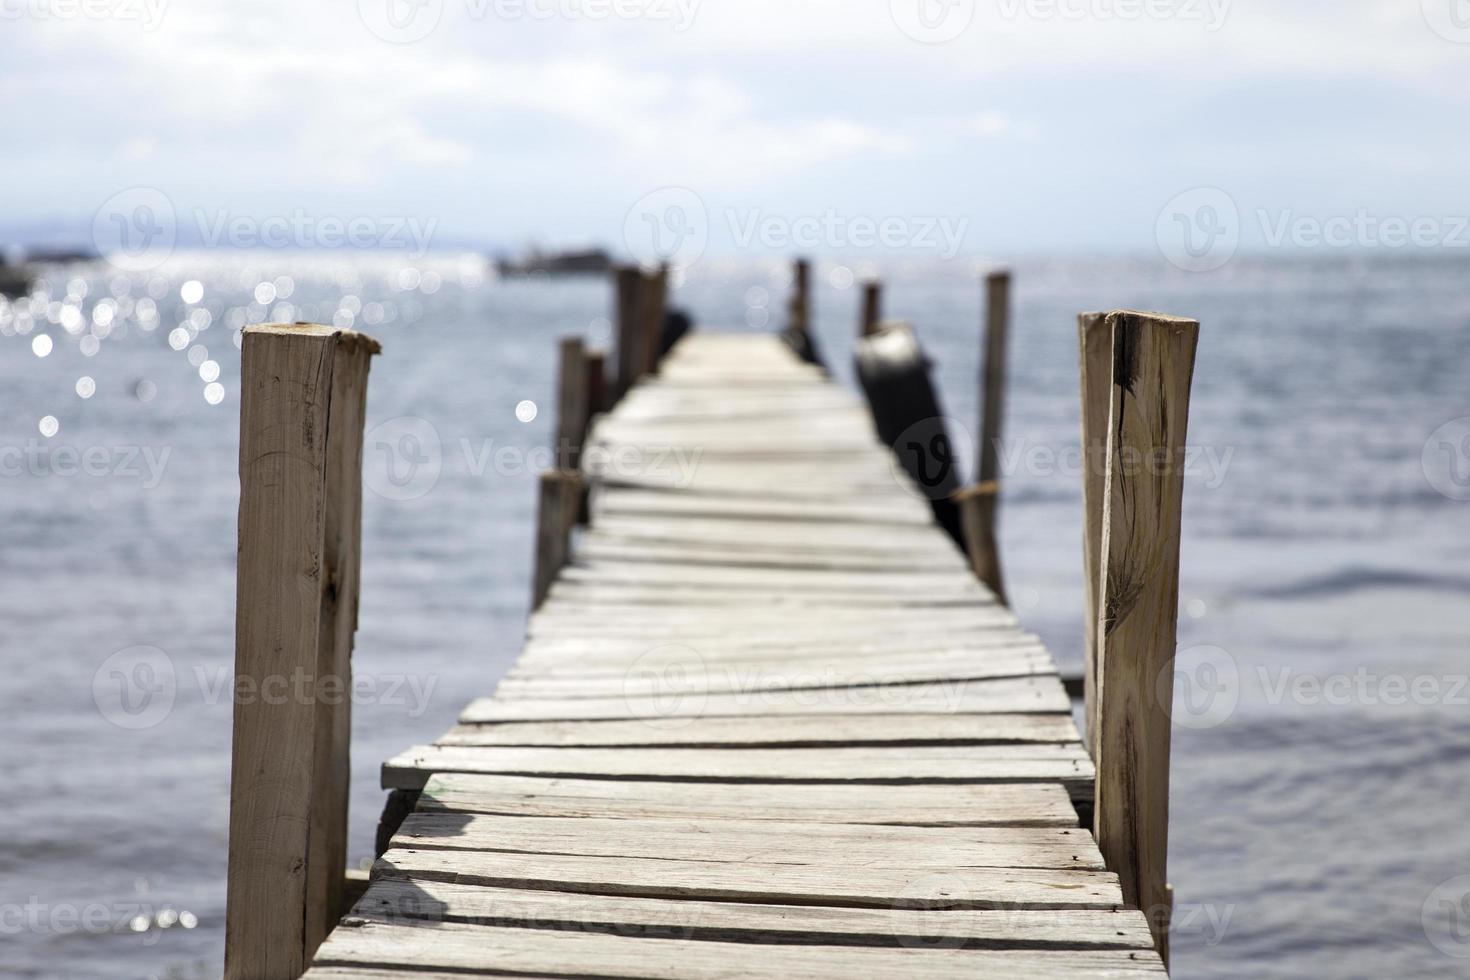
1318,811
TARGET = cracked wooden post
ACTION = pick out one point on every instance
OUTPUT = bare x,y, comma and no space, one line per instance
558,502
872,311
1138,601
1095,350
571,403
303,392
628,280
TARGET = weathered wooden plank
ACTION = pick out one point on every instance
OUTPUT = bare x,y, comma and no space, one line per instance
921,805
750,881
1006,696
1010,763
767,842
391,899
459,947
656,677
394,898
791,731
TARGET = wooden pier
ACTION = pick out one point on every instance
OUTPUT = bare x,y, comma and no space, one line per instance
767,722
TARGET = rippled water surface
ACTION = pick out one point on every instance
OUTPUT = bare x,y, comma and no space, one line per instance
1318,796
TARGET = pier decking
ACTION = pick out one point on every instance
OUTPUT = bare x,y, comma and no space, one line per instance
767,723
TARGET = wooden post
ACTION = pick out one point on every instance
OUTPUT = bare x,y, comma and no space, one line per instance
872,308
978,504
993,374
557,506
654,300
571,403
977,520
1095,346
801,309
629,295
1138,601
596,362
302,399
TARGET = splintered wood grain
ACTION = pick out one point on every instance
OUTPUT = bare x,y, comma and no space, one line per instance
1148,412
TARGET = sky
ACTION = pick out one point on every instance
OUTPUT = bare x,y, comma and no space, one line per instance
927,127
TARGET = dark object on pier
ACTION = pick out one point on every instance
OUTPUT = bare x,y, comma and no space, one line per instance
588,262
802,343
676,325
905,406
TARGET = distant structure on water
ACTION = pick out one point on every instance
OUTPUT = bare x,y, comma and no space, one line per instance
585,262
